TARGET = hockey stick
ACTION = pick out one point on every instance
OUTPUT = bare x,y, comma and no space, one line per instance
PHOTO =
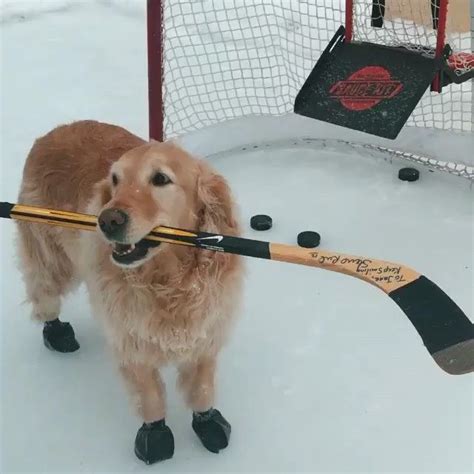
445,330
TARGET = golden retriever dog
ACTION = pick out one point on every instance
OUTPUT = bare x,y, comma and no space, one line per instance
158,303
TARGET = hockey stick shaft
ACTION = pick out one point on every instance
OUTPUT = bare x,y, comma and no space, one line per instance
385,275
446,331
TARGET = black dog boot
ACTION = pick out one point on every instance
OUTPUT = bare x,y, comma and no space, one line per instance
154,442
212,429
59,336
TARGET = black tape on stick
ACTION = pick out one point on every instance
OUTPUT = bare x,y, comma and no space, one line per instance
5,209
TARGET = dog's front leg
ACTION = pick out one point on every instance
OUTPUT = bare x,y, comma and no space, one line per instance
197,380
154,441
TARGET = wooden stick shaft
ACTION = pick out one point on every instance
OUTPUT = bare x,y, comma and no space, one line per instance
75,220
385,275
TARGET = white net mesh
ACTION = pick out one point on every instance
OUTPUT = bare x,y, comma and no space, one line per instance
229,58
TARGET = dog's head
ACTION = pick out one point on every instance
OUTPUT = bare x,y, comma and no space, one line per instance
159,184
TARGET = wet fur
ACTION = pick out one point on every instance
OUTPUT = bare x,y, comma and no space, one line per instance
175,308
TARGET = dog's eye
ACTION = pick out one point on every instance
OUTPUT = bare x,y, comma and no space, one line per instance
160,179
114,179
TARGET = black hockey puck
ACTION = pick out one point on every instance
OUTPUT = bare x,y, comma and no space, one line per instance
309,239
261,222
408,174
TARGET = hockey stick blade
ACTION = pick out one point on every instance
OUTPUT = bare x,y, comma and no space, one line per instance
445,330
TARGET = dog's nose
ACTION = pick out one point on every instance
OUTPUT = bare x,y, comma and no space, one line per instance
113,223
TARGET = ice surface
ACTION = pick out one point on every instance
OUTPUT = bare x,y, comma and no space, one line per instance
324,373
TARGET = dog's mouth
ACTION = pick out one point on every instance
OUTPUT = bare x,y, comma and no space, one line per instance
131,254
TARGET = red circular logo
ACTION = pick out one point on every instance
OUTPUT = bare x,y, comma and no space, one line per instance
365,88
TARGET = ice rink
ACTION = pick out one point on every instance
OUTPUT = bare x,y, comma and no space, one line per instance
324,373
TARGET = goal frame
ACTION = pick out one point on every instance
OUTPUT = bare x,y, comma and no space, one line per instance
155,53
155,69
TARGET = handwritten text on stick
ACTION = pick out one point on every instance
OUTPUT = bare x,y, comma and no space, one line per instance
378,271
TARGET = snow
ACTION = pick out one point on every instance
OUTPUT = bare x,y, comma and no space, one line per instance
324,372
24,10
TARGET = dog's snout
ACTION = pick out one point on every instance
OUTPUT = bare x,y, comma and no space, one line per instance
113,223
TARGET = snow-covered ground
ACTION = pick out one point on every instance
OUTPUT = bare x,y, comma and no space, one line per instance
324,372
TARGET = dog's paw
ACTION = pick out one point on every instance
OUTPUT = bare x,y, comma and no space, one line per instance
59,336
154,442
212,429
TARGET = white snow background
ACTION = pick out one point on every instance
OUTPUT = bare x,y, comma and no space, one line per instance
324,372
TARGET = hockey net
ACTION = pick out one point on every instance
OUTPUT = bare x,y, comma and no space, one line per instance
223,59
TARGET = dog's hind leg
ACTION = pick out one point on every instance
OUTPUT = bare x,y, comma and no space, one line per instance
48,275
196,379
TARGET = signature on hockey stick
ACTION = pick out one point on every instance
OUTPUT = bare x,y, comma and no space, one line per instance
374,269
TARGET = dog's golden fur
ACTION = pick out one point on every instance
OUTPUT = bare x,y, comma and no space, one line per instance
176,307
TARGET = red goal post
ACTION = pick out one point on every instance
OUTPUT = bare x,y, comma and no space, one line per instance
215,60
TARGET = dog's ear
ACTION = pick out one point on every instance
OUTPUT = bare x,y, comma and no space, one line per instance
216,207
